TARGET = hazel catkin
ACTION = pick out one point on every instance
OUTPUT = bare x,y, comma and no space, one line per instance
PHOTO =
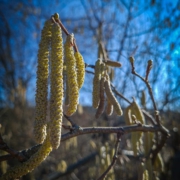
112,98
71,76
112,63
109,108
96,84
26,167
100,109
80,69
56,86
42,84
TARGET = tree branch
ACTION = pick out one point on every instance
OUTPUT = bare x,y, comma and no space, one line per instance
92,130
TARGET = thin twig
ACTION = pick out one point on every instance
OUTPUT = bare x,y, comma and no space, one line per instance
13,153
90,72
70,120
119,94
90,65
150,92
114,157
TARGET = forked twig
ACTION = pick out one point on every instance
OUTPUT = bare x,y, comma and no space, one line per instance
114,157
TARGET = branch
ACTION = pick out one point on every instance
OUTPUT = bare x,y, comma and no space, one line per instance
93,130
149,89
72,167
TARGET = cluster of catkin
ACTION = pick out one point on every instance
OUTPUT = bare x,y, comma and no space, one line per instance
139,141
62,60
102,86
51,66
134,115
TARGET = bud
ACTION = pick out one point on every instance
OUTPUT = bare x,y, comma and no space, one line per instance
131,59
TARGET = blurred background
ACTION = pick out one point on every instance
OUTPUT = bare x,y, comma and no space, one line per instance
144,29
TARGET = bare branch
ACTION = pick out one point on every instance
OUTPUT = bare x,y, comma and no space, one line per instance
114,158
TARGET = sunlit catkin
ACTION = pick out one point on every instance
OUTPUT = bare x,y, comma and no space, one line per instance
100,109
42,84
112,63
71,76
136,110
22,169
56,86
80,69
109,108
111,97
127,116
96,83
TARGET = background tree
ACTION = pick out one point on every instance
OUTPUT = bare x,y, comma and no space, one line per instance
146,30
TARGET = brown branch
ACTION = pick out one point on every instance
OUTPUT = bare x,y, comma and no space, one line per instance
72,167
92,130
155,151
13,153
90,72
119,94
90,65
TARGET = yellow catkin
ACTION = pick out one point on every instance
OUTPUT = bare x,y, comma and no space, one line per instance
109,108
56,86
137,113
158,163
66,91
146,175
136,110
132,115
127,115
26,167
111,97
100,109
80,69
149,168
112,63
96,84
71,76
42,84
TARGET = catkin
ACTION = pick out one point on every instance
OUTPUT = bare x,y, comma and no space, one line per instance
112,63
132,115
158,163
80,69
136,110
42,84
127,115
148,142
100,109
149,168
71,76
96,83
26,167
112,98
56,87
66,91
109,108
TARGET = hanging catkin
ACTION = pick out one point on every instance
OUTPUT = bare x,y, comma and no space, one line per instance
26,167
42,84
71,76
80,69
96,84
56,86
111,97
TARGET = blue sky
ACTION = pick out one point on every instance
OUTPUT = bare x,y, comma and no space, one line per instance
114,17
